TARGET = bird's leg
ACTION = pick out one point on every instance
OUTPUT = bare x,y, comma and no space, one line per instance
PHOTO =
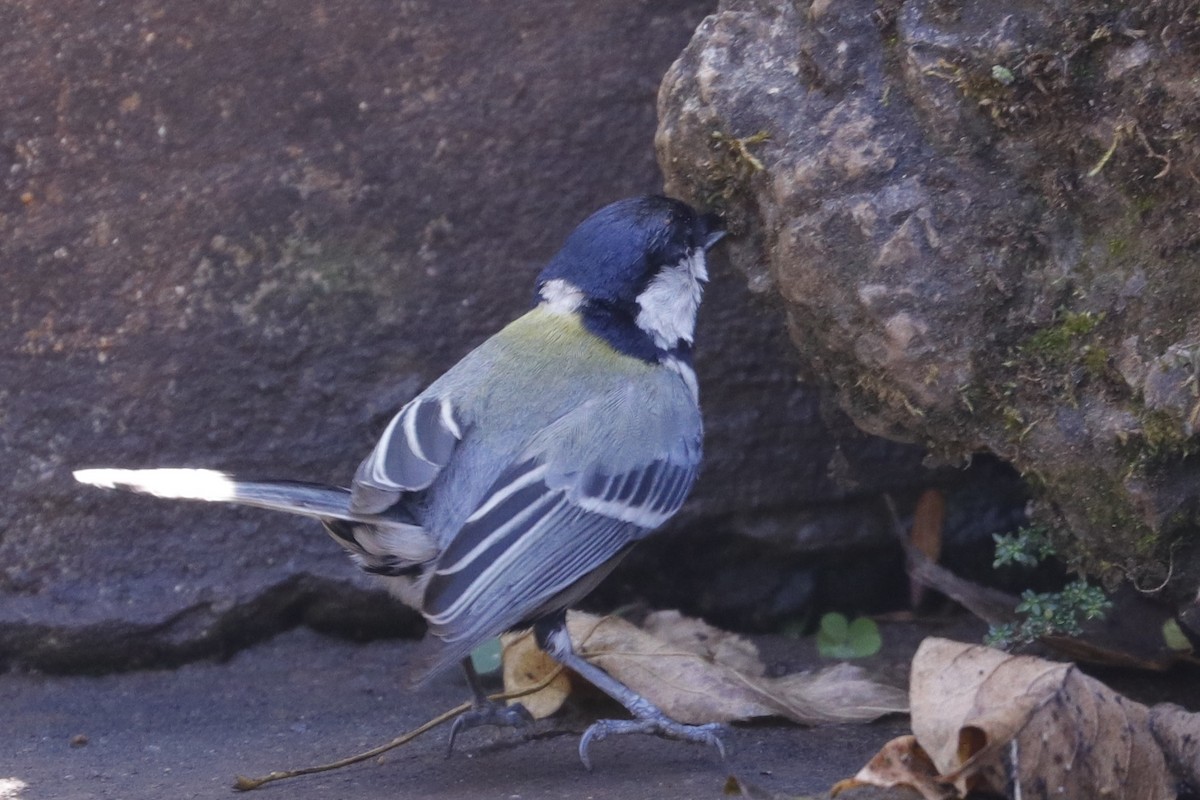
553,638
485,711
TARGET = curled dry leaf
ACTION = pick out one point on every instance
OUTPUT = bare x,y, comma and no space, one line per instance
901,762
840,693
1178,733
1002,724
738,786
699,674
983,714
525,665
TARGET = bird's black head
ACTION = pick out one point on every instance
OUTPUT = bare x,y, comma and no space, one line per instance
613,254
634,270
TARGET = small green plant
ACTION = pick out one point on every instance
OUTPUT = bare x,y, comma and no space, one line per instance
1052,614
840,638
1028,547
1059,613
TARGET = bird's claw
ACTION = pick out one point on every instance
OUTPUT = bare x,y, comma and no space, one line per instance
658,726
498,714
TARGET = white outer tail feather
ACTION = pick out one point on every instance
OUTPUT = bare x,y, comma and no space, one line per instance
306,499
177,484
391,532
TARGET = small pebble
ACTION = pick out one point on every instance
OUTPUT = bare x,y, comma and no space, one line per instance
79,740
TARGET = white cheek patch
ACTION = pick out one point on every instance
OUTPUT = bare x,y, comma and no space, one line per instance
668,305
562,297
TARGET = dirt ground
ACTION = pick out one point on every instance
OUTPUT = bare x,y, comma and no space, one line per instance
303,698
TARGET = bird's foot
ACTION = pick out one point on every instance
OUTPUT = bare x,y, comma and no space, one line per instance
489,713
656,725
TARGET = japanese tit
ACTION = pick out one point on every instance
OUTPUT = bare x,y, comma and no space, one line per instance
514,483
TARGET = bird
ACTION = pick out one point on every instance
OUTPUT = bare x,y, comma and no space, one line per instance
506,490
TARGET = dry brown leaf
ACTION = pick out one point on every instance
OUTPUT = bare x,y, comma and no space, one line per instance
695,689
901,762
738,786
840,693
1023,726
685,685
695,673
524,665
712,643
1178,733
926,535
990,720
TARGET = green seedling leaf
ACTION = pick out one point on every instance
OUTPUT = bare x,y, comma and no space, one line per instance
840,638
835,626
831,636
1175,638
864,638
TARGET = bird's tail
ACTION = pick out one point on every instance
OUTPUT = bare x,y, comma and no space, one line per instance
294,497
389,543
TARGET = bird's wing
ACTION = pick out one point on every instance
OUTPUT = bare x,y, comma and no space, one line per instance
414,448
560,515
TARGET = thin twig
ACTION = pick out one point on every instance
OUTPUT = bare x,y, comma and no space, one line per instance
991,605
1118,135
244,784
1152,153
1166,580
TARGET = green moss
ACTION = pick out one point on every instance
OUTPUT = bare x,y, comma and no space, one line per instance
1162,440
1146,545
1095,360
1035,479
878,394
1061,342
726,176
1143,204
1046,367
744,161
983,86
1013,420
1105,506
1109,522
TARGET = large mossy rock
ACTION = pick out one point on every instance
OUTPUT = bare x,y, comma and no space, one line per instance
983,221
